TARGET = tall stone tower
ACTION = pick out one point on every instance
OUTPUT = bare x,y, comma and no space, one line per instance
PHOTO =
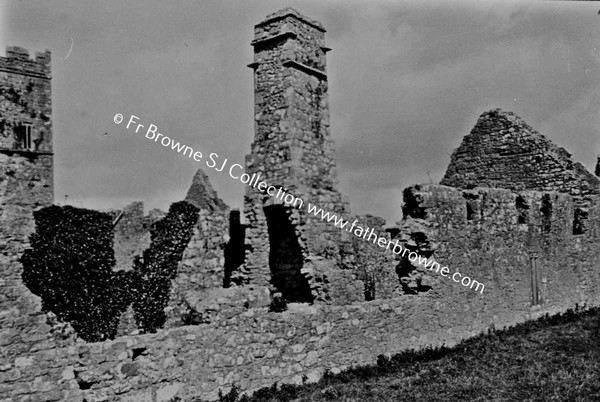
292,149
26,170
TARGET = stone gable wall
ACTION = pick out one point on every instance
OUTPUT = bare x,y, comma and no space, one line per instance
503,151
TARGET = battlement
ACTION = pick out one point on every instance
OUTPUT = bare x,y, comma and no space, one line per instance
26,107
17,61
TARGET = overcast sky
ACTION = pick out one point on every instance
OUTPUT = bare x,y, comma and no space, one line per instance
407,80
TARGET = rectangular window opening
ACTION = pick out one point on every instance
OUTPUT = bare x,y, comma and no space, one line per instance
522,210
23,136
470,211
472,205
546,210
579,221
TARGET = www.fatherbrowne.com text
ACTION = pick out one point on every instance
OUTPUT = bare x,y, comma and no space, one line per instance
236,171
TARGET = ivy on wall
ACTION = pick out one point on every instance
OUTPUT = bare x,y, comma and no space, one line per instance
70,266
158,266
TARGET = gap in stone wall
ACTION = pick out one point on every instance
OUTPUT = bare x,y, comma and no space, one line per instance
472,205
234,249
285,256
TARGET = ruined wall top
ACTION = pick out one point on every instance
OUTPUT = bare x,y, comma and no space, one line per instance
17,61
202,194
504,151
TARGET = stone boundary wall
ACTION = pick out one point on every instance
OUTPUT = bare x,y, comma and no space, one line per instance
253,350
257,348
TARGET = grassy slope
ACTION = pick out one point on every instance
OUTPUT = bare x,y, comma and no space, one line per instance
551,359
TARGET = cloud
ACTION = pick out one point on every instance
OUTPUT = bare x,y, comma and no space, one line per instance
407,80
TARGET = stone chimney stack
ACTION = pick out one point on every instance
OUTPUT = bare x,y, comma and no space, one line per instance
292,150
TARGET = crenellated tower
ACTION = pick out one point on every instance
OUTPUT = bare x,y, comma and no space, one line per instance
26,170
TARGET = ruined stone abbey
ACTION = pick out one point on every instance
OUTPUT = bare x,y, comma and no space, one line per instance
513,210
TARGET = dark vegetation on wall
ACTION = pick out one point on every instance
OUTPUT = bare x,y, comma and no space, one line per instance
70,266
412,203
158,266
